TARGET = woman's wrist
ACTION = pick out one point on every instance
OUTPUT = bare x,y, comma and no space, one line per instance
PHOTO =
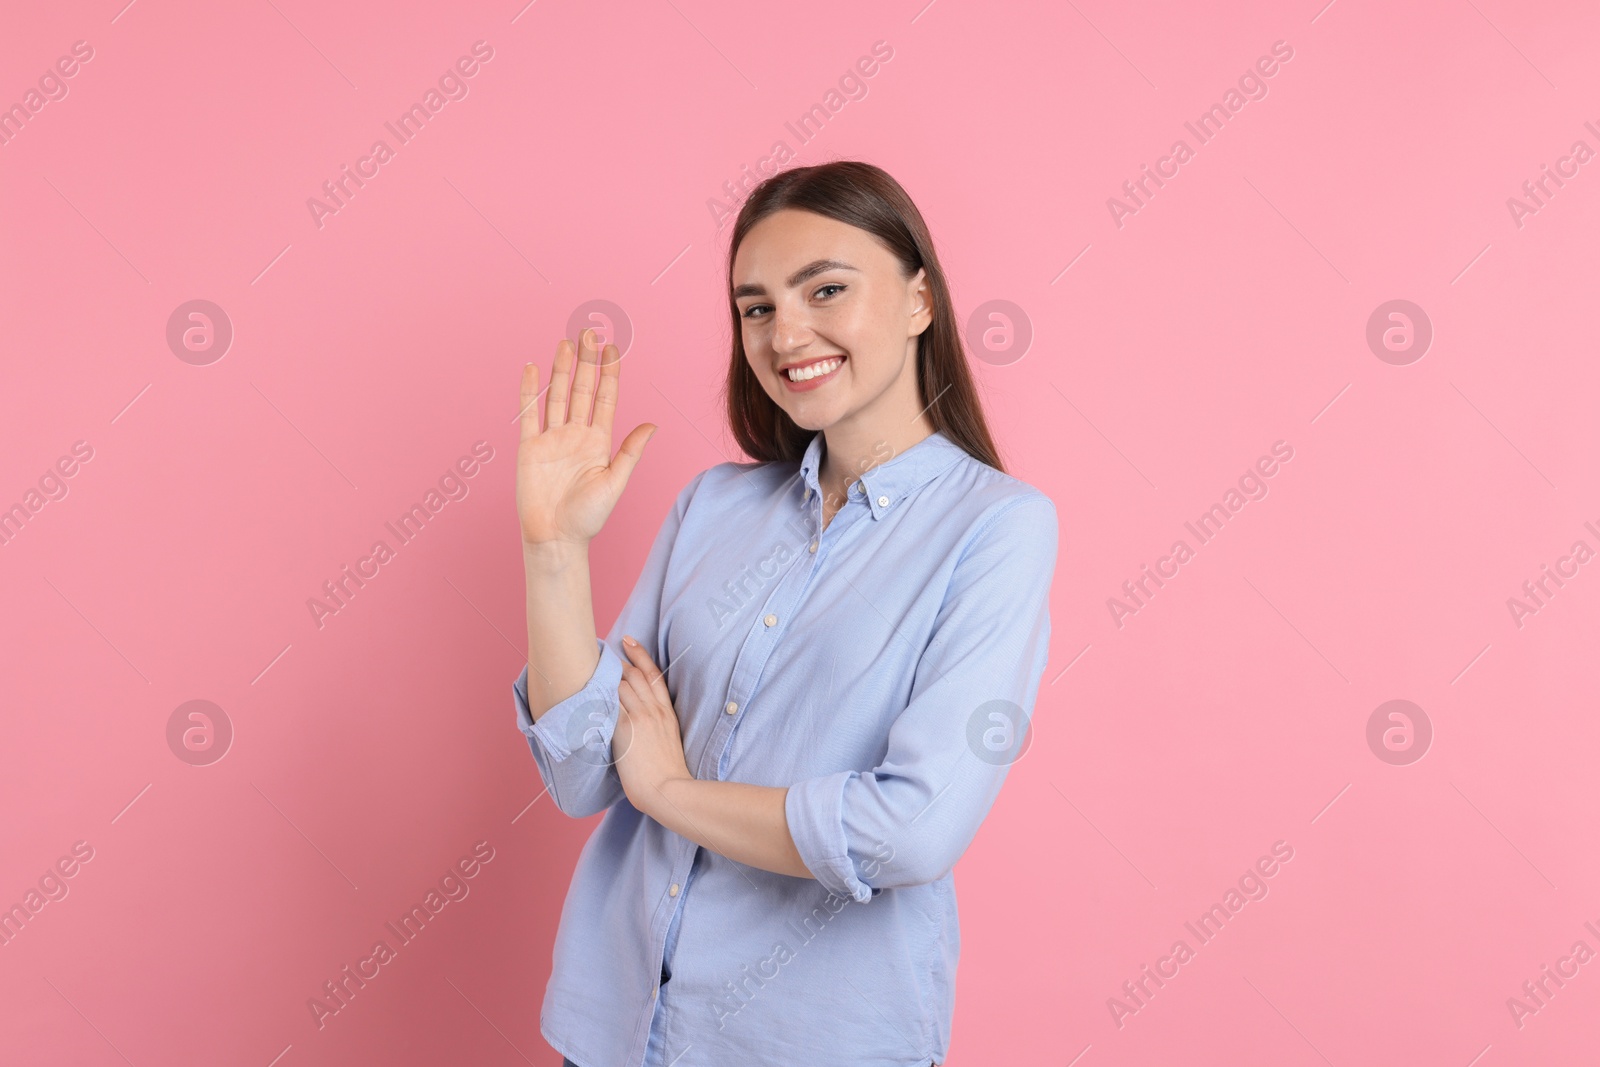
553,556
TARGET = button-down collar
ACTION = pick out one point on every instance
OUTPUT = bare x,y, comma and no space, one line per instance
890,482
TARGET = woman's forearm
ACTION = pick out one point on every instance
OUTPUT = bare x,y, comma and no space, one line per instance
743,822
562,649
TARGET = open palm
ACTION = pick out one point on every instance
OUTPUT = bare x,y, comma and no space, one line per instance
567,479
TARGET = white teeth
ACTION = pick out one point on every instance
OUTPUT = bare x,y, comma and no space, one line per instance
814,370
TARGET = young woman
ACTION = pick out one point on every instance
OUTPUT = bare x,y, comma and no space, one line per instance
811,698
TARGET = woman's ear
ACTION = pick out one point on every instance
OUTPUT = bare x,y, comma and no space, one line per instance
922,301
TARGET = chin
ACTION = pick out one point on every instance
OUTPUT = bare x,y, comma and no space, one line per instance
806,416
811,421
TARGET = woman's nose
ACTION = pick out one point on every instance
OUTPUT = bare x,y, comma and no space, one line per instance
789,329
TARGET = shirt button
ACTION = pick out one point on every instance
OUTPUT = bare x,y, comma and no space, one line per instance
771,620
883,501
672,892
731,708
813,546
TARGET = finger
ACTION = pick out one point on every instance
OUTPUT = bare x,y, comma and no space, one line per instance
638,656
605,393
656,679
628,455
530,401
555,404
583,386
633,690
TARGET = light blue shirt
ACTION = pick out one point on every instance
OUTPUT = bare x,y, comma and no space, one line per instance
883,670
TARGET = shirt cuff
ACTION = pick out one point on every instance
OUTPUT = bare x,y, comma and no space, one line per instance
814,810
584,721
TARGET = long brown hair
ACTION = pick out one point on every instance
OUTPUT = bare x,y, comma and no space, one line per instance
864,196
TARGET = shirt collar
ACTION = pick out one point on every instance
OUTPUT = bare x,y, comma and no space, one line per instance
890,482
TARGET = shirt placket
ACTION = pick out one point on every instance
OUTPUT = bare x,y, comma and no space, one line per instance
772,623
758,647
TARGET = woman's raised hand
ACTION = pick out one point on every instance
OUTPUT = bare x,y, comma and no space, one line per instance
567,479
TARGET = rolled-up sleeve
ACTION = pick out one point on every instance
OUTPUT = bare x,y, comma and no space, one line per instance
907,821
571,742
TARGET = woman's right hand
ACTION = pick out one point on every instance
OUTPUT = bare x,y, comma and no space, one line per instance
567,479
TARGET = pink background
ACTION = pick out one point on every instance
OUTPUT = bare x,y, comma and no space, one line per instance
1230,312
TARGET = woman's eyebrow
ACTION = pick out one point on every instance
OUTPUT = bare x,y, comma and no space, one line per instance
810,270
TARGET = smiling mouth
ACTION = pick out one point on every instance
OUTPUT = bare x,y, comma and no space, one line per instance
814,370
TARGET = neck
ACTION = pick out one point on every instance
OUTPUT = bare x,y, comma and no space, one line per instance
849,451
887,426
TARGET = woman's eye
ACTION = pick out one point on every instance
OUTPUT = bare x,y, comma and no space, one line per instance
755,309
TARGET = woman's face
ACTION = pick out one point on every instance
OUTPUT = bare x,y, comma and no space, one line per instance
814,292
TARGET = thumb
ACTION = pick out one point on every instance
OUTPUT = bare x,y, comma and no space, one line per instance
629,453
